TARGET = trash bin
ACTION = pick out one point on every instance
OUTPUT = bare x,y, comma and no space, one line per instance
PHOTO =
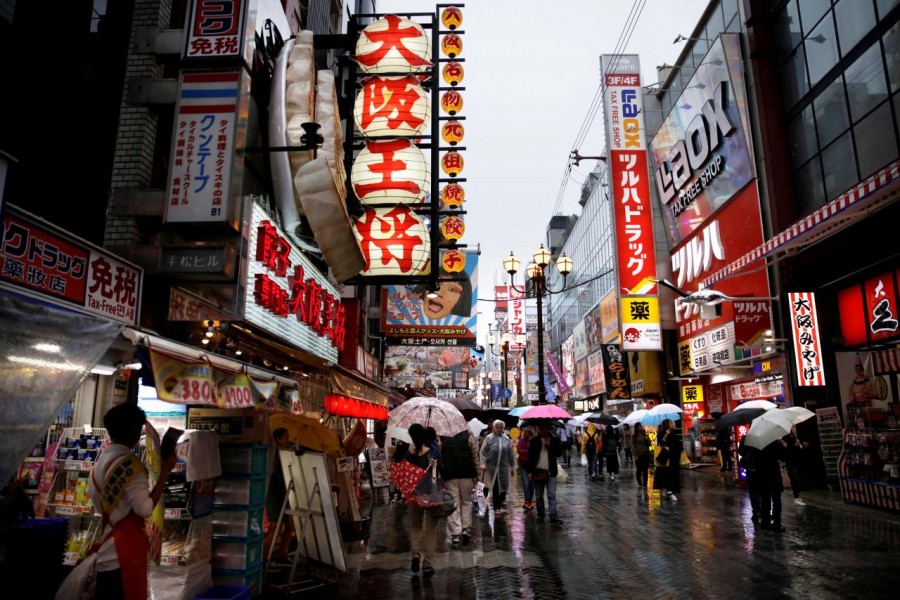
225,592
32,552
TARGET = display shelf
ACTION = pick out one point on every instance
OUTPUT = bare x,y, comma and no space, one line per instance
869,467
708,451
186,542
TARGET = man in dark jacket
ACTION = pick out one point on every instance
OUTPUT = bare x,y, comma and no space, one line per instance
770,485
542,455
459,469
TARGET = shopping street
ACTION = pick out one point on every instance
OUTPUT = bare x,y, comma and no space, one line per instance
618,542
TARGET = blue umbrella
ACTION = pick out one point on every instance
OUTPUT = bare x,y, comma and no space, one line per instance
518,411
661,412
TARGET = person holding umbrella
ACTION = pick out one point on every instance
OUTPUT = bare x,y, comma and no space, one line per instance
522,458
770,485
611,442
668,465
640,445
498,457
542,468
422,529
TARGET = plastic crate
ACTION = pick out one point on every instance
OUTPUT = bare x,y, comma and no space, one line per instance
238,523
232,491
225,592
243,459
251,579
237,555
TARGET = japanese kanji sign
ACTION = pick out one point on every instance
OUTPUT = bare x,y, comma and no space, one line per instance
42,259
870,312
641,329
807,347
618,380
215,29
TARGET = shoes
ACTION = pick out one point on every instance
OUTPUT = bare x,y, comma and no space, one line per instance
612,477
799,502
529,506
668,494
672,497
414,567
557,522
454,541
427,570
465,538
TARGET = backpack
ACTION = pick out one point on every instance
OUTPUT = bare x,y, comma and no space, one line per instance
594,443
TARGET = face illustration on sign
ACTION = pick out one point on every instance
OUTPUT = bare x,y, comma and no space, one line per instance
449,300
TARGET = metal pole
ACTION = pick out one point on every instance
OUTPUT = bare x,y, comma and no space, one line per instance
503,373
538,288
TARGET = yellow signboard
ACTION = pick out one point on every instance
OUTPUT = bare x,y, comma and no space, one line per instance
640,323
685,363
691,393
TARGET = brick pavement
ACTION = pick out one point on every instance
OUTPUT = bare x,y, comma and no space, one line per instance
624,543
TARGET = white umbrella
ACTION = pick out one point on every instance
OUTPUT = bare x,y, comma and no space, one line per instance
801,413
661,412
428,412
770,426
476,427
764,404
398,433
634,417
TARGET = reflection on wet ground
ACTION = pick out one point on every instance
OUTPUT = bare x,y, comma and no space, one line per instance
620,541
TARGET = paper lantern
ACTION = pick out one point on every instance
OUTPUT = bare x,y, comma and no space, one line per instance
393,44
451,17
390,172
392,107
452,227
451,45
452,132
453,195
393,240
452,163
453,261
451,102
453,72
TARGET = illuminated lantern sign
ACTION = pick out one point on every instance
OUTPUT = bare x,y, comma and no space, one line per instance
451,17
451,45
453,73
453,261
390,172
451,102
453,195
452,132
393,240
452,228
393,45
452,163
807,346
391,106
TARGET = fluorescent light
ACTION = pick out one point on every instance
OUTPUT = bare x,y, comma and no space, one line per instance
103,370
49,348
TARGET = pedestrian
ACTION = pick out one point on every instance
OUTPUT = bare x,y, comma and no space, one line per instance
668,472
723,445
794,460
522,462
280,539
459,470
611,442
498,457
627,444
770,485
592,445
542,468
120,488
640,445
422,522
434,444
748,460
566,434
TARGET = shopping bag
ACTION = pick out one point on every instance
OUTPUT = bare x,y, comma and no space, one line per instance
406,476
561,475
479,502
584,461
80,583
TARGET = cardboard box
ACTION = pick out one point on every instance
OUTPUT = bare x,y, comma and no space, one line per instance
235,425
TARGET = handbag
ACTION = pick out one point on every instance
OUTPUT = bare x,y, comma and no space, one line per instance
539,475
447,506
662,457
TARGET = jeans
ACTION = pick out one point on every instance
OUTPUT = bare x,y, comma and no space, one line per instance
549,485
461,520
642,467
527,484
592,464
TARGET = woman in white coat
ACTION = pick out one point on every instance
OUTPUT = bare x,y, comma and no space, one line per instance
499,458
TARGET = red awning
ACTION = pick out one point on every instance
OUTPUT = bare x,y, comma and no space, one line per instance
876,192
886,361
345,406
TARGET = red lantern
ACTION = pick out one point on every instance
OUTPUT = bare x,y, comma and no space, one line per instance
453,72
452,132
453,227
451,45
453,261
393,44
452,163
453,195
451,102
451,17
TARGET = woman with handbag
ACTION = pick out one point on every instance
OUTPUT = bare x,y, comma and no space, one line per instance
120,488
640,446
423,521
498,456
668,461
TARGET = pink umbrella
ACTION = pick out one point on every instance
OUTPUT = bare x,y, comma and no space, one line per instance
545,411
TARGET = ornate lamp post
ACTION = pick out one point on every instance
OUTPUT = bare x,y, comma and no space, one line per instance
535,272
504,355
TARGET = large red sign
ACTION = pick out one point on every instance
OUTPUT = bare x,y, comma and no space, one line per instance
869,311
732,232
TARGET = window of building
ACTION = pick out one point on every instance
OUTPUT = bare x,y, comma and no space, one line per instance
821,50
855,18
873,157
811,11
787,28
891,41
808,187
866,85
794,82
831,112
839,166
729,10
802,133
885,6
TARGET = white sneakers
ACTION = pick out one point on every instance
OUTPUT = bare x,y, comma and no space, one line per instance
799,502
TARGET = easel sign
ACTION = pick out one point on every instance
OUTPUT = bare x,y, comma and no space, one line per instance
311,507
379,466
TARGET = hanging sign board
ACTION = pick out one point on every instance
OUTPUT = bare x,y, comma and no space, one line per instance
807,346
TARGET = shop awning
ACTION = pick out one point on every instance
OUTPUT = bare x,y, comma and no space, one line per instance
345,406
354,385
886,361
869,196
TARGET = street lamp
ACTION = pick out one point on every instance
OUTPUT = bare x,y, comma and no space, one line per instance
504,356
535,272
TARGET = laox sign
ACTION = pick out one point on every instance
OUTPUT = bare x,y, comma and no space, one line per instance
702,137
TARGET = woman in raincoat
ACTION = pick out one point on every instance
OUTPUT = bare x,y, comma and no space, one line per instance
499,458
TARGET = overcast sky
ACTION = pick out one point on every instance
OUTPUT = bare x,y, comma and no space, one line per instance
532,72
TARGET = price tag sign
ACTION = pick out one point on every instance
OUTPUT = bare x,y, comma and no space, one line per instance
172,513
183,382
72,465
68,510
235,392
169,560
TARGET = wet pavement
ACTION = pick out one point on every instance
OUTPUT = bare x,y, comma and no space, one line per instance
622,542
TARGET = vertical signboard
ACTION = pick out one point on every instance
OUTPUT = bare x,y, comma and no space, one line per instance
215,29
516,318
807,347
630,182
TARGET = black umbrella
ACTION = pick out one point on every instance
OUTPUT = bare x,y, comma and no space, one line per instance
490,415
466,406
741,416
602,419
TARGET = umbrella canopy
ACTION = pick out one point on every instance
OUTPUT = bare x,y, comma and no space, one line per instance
466,406
744,416
801,413
601,418
772,425
492,414
763,404
476,427
305,432
545,411
428,412
661,412
634,417
518,411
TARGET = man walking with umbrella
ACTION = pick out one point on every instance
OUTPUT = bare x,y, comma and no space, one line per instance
542,468
459,469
